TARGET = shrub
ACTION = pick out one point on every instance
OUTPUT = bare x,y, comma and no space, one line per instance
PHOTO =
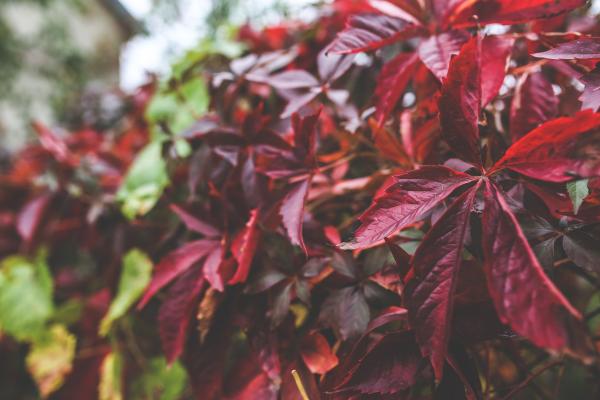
393,201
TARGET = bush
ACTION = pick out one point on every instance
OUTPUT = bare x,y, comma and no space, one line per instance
389,202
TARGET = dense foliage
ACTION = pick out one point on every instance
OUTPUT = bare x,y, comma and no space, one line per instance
395,201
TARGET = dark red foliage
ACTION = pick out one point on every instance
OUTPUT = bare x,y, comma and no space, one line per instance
389,202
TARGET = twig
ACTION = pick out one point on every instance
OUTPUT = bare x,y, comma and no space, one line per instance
531,377
300,385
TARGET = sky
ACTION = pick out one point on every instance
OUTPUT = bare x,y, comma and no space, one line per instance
156,51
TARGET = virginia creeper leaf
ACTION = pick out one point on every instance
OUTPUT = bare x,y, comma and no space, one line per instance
176,263
437,51
414,194
392,81
525,298
429,296
176,311
580,49
557,150
292,212
369,32
533,104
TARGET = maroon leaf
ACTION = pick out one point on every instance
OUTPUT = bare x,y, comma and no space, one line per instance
293,79
511,11
392,81
590,98
430,295
581,49
370,32
305,132
212,268
332,66
414,194
195,224
175,263
460,102
437,50
317,354
346,311
557,150
391,366
244,247
30,217
292,211
534,103
524,296
54,145
495,52
176,310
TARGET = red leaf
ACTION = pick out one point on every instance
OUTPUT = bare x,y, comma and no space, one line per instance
317,354
403,203
244,247
293,79
176,310
305,132
392,81
388,144
437,50
54,145
292,212
332,66
580,49
30,216
557,150
175,263
460,102
511,11
430,295
523,295
195,224
495,52
590,98
533,104
370,32
391,366
212,268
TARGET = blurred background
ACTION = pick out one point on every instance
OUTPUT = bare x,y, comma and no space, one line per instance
63,58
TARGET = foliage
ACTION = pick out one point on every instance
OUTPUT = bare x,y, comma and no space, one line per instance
393,201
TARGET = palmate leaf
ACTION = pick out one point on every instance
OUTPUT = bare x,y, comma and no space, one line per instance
474,78
511,11
370,32
414,194
534,103
176,311
429,296
524,296
557,150
580,49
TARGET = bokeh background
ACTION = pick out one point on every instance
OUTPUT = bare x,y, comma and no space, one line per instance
63,58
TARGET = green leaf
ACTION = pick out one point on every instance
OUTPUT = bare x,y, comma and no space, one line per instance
578,191
110,387
25,296
51,358
145,181
178,108
135,276
159,381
